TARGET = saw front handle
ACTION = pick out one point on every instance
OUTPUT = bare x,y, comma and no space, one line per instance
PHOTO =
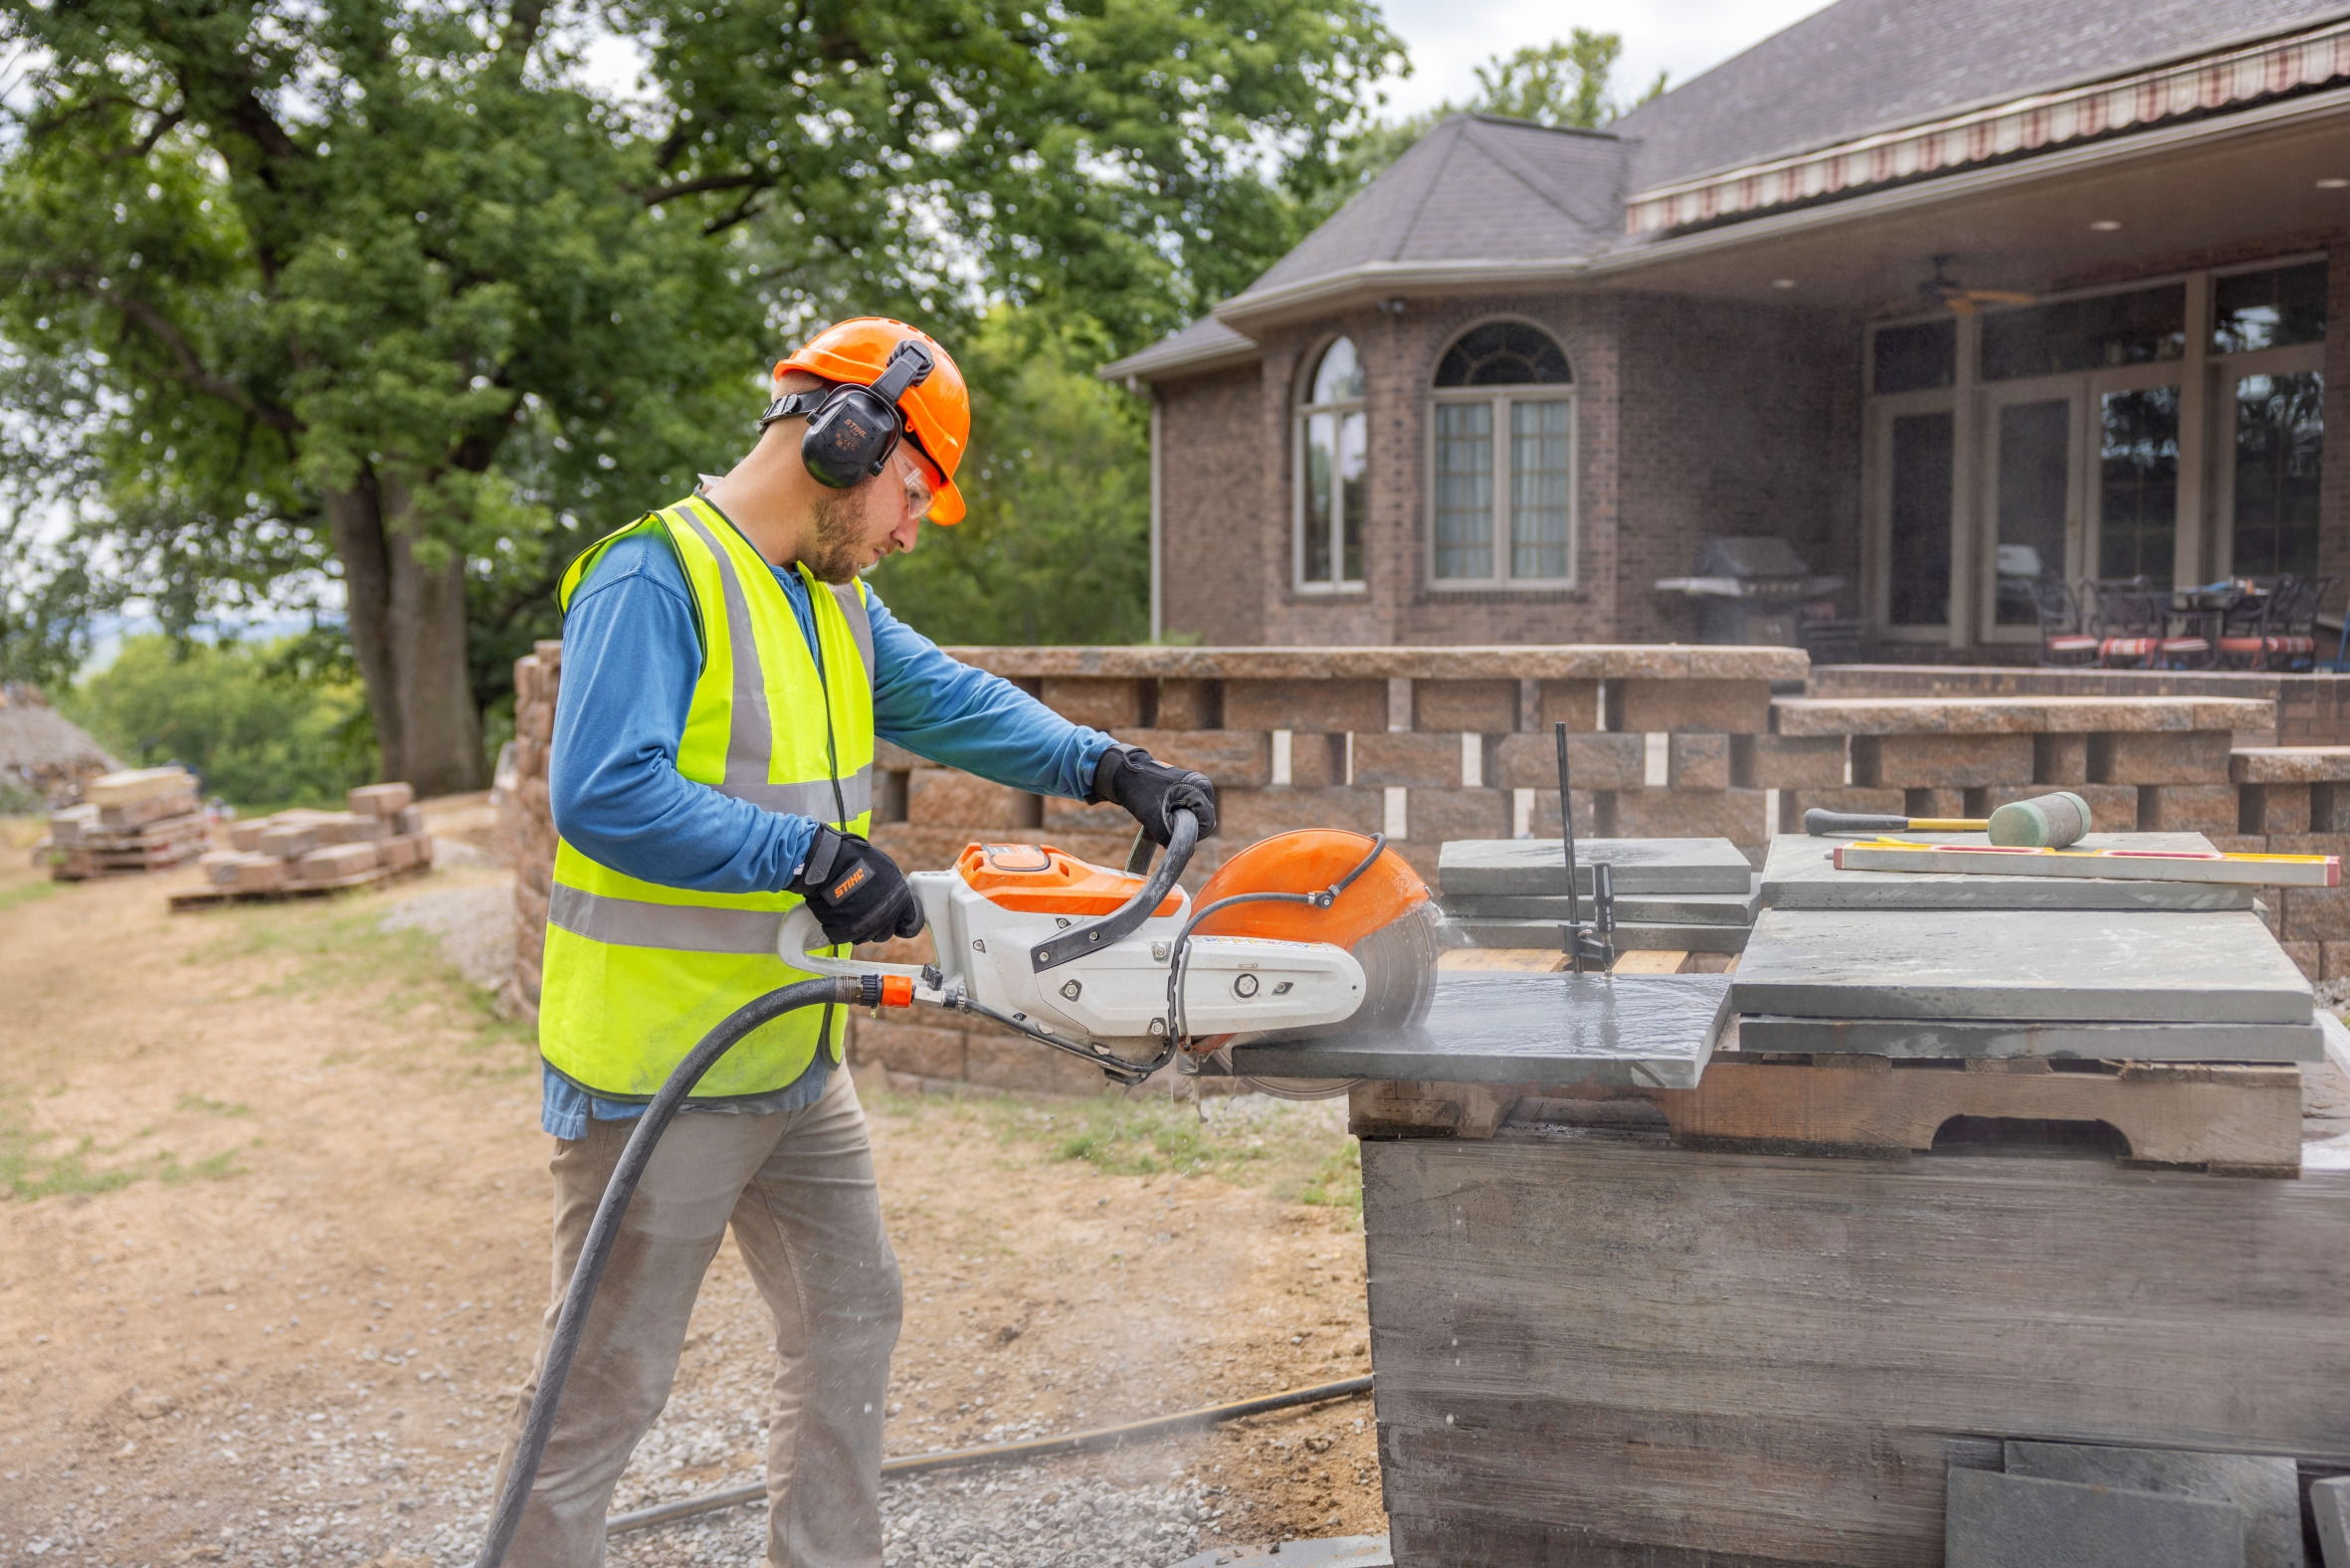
801,940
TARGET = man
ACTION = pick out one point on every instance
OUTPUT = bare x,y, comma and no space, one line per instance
726,674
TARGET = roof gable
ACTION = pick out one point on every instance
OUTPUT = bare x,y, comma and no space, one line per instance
1476,187
1862,66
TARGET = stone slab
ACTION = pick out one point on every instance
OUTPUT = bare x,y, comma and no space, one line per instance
1942,1039
1797,876
2022,1521
1631,935
2329,1500
1524,866
2266,1491
1671,909
1648,1030
2040,965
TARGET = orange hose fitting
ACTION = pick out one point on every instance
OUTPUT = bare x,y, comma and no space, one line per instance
897,991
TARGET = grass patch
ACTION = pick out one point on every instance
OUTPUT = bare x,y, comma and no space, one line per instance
25,892
340,945
31,1168
1292,1151
216,1107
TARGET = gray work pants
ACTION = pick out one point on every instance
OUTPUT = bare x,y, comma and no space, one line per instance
797,1189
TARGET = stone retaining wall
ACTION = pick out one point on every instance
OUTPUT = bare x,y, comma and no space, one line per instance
1437,743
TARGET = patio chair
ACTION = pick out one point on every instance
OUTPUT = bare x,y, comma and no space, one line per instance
2131,619
2275,626
2066,639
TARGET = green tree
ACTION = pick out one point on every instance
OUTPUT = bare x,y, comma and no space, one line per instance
254,727
391,297
1057,546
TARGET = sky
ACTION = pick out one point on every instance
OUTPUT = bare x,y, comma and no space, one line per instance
1450,39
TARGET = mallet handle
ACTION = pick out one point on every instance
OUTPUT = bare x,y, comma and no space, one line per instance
1820,824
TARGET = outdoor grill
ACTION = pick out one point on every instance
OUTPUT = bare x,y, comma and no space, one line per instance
1752,590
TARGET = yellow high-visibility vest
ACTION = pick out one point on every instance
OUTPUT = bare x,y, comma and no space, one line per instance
636,972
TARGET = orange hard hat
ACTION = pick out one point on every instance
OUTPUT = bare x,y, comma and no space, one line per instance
937,412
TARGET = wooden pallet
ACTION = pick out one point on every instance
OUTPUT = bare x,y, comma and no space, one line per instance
215,898
2227,1118
81,863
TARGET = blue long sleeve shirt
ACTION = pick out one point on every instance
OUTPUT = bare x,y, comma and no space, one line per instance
631,654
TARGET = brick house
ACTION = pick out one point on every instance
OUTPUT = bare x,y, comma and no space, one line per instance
1521,376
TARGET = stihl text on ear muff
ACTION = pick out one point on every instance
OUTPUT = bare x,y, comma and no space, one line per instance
852,429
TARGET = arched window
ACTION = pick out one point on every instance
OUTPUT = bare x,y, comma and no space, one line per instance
1503,471
1331,436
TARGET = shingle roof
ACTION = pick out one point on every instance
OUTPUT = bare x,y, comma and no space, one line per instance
1475,186
1862,66
1203,345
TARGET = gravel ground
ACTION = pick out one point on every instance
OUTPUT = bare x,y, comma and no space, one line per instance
474,924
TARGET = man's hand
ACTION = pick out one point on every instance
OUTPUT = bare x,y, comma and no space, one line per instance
858,893
1150,790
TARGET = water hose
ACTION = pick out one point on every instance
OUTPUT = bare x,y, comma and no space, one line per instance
1090,1442
506,1516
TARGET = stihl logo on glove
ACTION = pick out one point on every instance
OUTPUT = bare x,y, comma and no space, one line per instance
849,884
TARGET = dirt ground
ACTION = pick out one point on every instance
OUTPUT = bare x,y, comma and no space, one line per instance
271,1256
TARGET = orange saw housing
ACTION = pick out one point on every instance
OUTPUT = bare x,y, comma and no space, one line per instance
1311,859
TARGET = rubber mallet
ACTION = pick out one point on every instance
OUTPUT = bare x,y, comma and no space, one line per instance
2045,821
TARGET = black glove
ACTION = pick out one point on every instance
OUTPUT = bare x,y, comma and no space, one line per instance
1150,790
858,893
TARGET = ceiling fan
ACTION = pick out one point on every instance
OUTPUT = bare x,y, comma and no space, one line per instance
1948,291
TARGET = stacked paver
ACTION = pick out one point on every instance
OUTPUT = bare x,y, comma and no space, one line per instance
1691,894
128,824
382,833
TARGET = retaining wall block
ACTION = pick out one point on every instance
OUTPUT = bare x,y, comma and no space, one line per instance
2186,808
1935,802
1594,761
2272,808
2188,756
1696,759
1252,813
1433,816
2333,960
1075,815
1647,706
1787,761
1000,1060
2059,759
1940,762
1732,814
2311,915
1357,705
1595,814
907,1048
1485,707
1573,703
1241,757
1406,757
2329,808
2113,808
1104,704
1317,761
950,798
2308,957
1191,704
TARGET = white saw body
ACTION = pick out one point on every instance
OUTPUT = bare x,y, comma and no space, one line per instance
991,914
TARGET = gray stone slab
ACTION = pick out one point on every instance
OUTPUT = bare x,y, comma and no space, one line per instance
1946,1038
1537,866
1662,909
1796,875
2041,965
1631,935
2266,1491
2020,1522
2329,1500
1657,1031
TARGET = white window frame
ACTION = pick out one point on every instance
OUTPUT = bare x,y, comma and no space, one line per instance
1345,575
1502,398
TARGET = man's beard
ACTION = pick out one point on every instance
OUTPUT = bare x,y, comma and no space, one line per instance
835,550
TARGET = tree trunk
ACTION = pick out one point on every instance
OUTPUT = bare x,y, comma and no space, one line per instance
408,632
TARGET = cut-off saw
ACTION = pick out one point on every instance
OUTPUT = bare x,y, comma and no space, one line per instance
1299,932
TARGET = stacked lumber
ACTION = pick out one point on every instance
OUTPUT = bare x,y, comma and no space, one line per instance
128,824
382,834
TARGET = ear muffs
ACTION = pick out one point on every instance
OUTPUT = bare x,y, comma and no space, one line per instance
852,429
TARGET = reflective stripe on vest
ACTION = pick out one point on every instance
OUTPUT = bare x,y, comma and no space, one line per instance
636,972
